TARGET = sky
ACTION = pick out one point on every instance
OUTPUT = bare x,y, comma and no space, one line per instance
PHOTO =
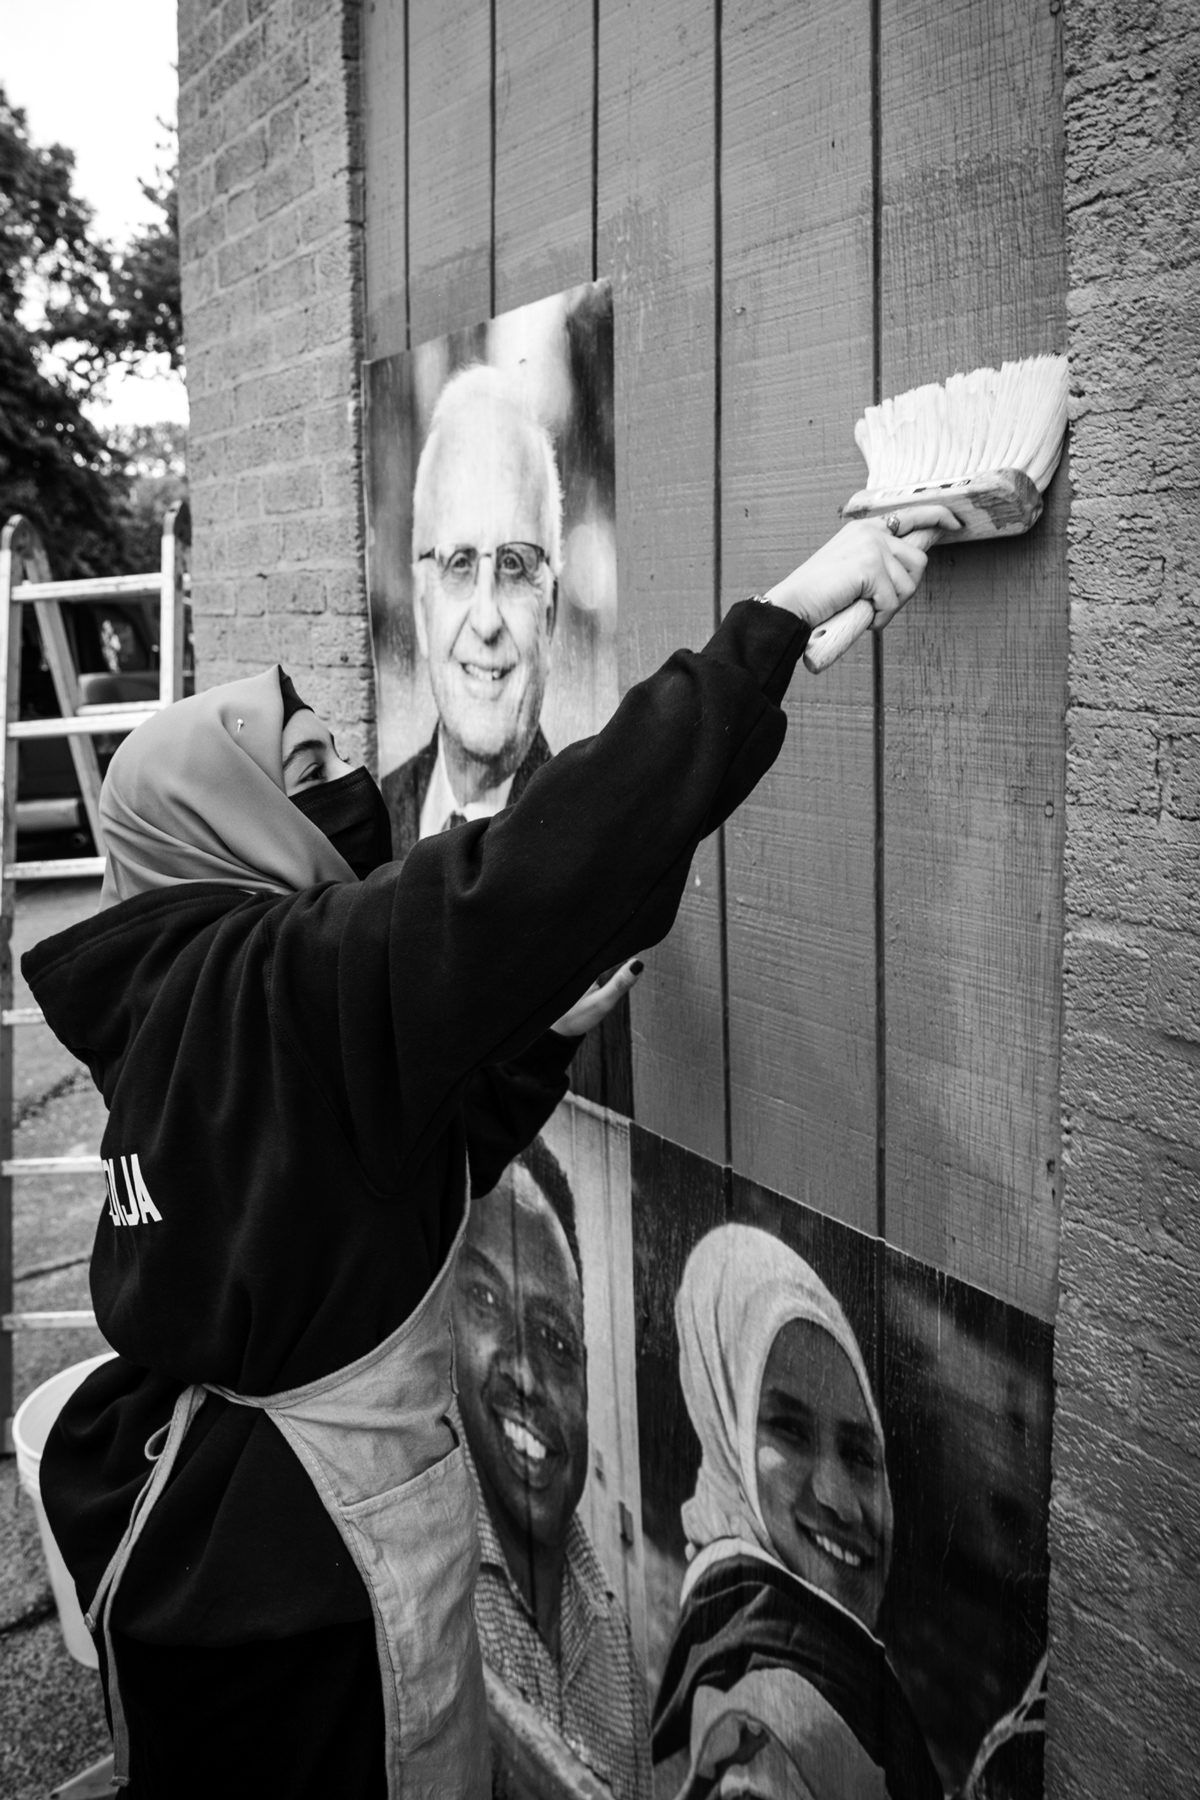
96,76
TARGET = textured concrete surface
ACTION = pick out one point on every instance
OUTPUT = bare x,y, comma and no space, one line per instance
51,1711
1124,1713
51,1716
269,208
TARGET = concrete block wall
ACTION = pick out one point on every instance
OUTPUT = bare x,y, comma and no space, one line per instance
1124,1715
270,224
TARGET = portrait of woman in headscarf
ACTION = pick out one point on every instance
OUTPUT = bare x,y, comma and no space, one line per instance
775,1684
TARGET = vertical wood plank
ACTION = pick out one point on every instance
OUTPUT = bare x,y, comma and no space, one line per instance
972,272
544,68
450,165
797,369
656,227
545,64
385,94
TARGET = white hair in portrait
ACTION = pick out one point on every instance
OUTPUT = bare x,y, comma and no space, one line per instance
467,397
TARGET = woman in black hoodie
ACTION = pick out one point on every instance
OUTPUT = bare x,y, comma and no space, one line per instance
261,1499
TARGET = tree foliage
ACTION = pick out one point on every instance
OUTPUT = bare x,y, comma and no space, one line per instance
139,312
72,309
146,297
45,228
154,458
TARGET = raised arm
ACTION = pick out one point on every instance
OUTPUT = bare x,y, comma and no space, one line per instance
464,954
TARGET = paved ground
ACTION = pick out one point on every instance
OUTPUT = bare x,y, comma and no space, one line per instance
51,1715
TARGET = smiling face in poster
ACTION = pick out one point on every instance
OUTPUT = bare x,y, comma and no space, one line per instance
522,1368
821,1486
553,1457
487,526
793,1460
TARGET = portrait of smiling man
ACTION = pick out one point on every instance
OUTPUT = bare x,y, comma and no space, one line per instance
486,557
549,1623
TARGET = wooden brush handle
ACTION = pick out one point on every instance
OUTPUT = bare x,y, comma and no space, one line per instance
835,636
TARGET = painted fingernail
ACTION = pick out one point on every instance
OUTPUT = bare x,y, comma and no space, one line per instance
636,967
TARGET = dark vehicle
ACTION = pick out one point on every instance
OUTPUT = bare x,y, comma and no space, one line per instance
115,649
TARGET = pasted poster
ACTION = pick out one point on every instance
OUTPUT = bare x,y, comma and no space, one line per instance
845,1464
763,1502
491,555
544,1328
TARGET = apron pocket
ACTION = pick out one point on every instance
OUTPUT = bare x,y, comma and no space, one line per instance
419,1545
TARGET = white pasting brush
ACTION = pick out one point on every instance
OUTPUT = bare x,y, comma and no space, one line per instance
984,445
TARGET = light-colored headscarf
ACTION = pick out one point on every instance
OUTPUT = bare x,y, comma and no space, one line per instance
196,794
740,1288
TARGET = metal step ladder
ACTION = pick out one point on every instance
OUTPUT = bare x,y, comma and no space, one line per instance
25,581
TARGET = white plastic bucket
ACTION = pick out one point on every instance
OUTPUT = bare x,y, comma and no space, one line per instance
31,1428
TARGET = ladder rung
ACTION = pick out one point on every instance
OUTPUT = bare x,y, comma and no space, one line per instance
22,1015
117,706
48,1321
85,724
51,1165
98,587
55,812
67,868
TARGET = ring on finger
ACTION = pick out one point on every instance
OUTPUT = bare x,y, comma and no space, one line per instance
892,522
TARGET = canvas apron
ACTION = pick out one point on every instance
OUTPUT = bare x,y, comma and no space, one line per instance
376,1443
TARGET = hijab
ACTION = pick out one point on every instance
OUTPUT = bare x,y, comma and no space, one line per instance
740,1288
196,794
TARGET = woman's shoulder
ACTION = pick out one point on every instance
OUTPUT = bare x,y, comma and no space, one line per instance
184,903
96,981
745,1612
740,1577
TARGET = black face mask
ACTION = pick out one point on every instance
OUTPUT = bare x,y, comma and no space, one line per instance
352,814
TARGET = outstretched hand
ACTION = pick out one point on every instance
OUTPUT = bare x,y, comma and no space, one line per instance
863,561
598,1002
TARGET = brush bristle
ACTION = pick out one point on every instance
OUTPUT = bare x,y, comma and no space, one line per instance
1013,417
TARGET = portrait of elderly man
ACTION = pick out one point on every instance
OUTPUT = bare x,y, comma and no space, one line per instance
549,1623
486,556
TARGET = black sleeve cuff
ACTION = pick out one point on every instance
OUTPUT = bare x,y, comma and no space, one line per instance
767,641
550,1055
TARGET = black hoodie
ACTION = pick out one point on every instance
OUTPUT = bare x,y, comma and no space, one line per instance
292,1084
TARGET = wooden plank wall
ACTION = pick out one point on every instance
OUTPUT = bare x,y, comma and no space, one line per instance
543,173
973,269
657,213
796,373
801,202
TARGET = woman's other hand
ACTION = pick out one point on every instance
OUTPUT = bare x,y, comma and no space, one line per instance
599,1001
863,561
